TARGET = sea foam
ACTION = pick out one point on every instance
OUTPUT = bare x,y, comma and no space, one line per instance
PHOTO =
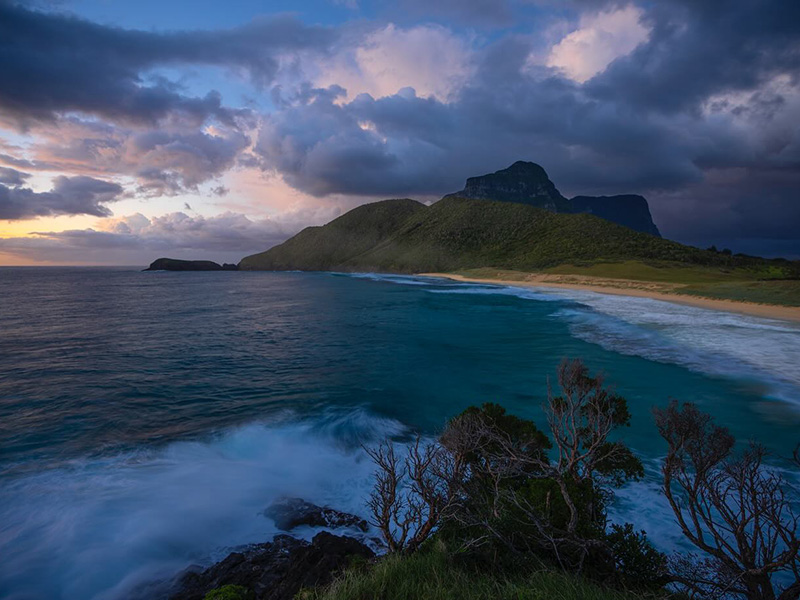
762,352
99,529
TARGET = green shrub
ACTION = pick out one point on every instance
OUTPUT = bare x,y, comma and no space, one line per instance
230,592
638,565
434,574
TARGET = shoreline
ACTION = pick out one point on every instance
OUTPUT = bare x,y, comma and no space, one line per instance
533,280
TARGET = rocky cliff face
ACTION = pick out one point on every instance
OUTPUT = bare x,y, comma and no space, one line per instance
630,210
528,183
522,182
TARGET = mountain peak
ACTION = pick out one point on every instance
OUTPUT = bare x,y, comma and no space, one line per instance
523,183
526,182
525,166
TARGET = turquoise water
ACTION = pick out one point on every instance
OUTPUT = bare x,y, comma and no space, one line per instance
147,418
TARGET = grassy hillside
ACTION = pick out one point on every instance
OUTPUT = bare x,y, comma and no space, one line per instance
457,233
432,575
340,242
783,292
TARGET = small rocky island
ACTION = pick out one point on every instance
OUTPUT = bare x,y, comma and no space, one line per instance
174,264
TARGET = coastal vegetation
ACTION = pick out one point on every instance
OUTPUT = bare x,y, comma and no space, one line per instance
738,285
497,508
456,233
434,573
468,236
783,292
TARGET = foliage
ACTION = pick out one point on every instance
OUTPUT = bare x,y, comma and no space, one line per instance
731,507
520,501
458,233
490,487
659,271
638,564
230,592
434,573
784,292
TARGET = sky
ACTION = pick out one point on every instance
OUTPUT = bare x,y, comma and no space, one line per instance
213,130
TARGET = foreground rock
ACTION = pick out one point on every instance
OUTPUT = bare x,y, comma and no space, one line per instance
174,264
276,570
289,513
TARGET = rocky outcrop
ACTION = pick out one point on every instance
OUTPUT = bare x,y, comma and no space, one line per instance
523,182
528,183
174,264
289,513
630,210
276,570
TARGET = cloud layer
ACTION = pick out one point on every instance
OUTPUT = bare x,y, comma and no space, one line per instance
51,64
135,239
697,108
78,195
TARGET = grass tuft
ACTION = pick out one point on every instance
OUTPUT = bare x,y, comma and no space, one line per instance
431,574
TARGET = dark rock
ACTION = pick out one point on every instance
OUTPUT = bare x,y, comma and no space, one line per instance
289,513
528,183
630,210
523,183
173,264
277,570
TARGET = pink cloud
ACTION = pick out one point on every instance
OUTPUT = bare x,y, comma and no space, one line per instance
601,38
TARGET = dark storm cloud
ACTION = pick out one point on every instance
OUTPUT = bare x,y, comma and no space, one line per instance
750,203
404,144
702,117
12,176
472,12
701,48
54,63
79,195
711,97
17,162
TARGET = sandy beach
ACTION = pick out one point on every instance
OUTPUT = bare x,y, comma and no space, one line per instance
641,289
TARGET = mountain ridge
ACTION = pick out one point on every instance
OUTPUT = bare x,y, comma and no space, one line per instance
458,233
528,183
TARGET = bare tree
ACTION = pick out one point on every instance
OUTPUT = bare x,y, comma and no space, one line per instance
796,455
411,495
581,420
731,507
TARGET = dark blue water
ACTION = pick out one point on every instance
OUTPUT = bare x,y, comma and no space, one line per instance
147,418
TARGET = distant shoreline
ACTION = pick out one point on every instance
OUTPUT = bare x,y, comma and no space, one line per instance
607,286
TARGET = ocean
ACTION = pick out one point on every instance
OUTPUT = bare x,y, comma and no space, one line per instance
147,419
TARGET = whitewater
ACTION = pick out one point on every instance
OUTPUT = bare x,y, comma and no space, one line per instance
147,420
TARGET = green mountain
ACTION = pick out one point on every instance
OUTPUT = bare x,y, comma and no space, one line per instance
405,236
341,242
